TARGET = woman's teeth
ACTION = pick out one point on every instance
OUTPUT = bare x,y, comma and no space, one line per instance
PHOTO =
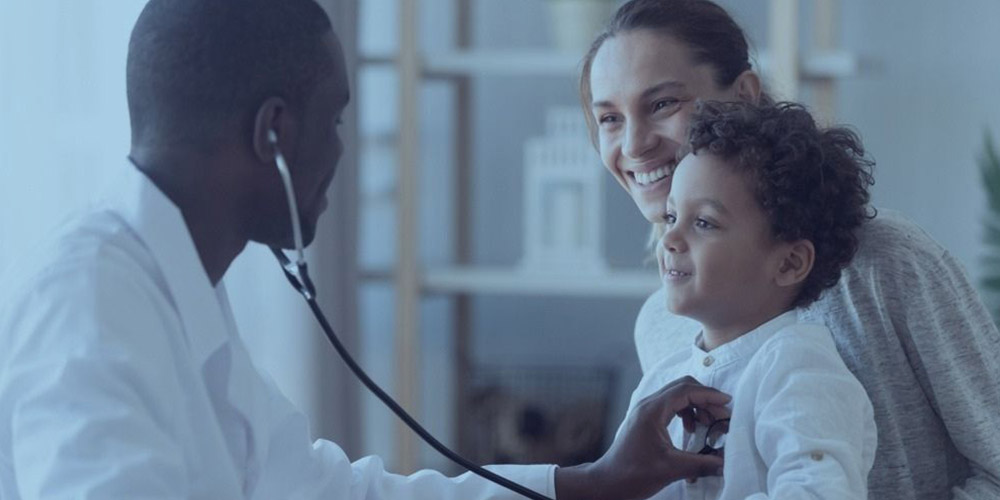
647,178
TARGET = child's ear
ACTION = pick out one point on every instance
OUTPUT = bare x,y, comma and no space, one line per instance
797,261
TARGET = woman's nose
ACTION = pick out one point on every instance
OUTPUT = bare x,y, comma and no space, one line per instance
639,141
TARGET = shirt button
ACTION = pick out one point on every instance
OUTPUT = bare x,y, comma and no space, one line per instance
817,456
708,361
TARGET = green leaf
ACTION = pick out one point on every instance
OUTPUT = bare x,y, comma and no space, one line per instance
989,169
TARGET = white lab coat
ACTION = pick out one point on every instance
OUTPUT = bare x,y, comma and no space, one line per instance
122,376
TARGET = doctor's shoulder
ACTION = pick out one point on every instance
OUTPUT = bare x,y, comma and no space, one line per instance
86,280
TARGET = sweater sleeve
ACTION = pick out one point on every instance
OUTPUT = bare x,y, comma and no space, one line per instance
954,348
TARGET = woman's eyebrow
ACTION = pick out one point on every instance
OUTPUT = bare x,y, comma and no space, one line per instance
672,85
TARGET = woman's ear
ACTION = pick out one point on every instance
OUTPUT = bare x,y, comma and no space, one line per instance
272,116
796,263
747,86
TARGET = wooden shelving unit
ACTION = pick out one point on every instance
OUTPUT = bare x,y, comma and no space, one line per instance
783,66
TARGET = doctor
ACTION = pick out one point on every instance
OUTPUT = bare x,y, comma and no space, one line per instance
121,372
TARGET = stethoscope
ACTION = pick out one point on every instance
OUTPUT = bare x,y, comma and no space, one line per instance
298,275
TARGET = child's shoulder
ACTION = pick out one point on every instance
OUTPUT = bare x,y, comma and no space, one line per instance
799,359
798,345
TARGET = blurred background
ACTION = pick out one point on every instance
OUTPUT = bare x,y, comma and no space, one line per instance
475,255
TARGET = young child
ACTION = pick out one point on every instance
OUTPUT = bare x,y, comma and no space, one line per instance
760,220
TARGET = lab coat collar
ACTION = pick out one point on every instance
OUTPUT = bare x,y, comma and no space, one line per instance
159,224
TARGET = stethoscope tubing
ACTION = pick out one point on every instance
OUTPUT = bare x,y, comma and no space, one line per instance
298,275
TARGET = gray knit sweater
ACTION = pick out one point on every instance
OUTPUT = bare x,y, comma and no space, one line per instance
915,333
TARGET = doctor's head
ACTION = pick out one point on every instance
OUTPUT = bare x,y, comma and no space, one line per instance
208,80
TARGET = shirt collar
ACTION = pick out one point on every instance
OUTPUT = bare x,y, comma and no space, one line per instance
747,344
159,224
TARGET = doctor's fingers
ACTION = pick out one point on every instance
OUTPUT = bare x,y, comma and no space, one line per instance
681,395
705,415
691,466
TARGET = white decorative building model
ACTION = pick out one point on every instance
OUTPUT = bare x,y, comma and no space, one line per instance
563,200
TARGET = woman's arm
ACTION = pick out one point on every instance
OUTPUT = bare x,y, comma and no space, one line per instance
953,346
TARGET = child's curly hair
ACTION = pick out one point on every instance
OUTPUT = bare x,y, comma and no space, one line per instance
812,183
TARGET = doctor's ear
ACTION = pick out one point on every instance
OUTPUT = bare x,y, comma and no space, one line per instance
272,126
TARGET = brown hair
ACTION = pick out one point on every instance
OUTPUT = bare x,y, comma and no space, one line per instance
708,30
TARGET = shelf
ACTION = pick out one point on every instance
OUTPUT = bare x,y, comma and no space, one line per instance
498,280
820,65
503,62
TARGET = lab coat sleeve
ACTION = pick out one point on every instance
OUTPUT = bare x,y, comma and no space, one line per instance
370,481
321,470
815,427
82,416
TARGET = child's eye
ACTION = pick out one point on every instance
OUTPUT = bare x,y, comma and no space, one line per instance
670,219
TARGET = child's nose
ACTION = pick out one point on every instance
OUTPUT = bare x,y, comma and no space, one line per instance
672,241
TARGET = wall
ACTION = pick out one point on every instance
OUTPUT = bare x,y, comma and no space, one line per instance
923,107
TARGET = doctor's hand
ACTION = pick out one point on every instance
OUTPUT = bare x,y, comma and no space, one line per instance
643,460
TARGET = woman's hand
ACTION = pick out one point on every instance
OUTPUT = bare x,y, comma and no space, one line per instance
643,460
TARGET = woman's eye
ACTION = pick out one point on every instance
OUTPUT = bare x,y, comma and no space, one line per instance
664,103
703,224
607,119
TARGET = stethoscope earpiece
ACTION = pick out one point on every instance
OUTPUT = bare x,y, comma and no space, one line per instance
293,209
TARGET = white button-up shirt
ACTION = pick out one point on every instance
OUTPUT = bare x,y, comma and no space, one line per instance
802,427
122,376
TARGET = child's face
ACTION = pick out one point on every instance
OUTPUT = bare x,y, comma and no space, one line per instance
718,260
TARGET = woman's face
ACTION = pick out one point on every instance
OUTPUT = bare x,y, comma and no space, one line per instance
644,86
